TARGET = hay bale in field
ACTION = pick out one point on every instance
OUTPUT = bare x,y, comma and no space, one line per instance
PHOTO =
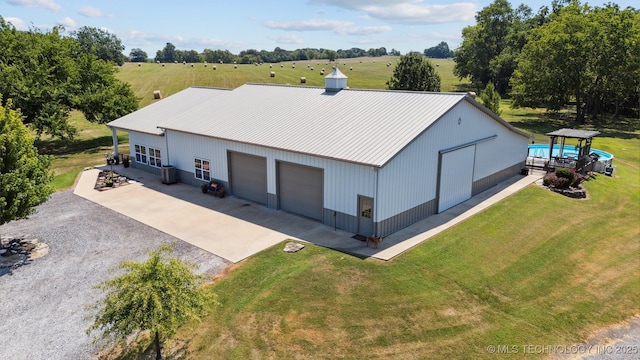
351,68
235,66
303,80
139,64
191,65
272,74
215,67
157,95
162,65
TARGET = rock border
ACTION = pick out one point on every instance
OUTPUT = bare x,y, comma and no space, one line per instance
16,251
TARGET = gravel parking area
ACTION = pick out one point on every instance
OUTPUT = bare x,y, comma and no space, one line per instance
43,303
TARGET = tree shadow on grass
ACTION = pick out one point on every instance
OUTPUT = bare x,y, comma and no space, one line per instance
60,147
543,123
144,349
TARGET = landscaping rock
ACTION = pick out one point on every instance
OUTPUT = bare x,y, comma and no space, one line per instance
18,251
293,247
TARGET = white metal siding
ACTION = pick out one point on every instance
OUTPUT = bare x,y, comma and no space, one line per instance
456,177
410,179
342,181
154,141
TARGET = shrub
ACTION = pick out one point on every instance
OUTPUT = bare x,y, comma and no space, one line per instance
565,173
577,180
549,179
553,180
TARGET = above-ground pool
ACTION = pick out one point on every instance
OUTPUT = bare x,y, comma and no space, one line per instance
542,151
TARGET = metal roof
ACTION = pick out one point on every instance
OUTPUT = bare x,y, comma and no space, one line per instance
574,133
367,127
147,119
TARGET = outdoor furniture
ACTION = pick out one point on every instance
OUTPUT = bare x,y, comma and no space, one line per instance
608,170
216,189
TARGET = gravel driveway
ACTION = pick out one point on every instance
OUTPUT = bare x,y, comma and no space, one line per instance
43,303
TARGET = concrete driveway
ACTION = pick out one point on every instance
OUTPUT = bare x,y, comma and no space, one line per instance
235,228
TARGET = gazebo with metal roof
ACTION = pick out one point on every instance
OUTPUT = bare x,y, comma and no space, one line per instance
583,149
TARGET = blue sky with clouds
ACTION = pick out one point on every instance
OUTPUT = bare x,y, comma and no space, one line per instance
404,25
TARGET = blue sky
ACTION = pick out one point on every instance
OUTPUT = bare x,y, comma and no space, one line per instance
404,25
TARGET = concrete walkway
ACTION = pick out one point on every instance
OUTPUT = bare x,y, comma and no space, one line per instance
235,228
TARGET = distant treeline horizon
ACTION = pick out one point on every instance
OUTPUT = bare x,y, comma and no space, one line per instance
170,54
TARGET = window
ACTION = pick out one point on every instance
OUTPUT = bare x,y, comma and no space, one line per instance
154,157
203,171
141,154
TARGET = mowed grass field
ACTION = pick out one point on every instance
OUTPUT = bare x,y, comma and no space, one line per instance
537,269
363,73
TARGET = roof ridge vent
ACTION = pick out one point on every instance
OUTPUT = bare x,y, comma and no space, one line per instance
335,81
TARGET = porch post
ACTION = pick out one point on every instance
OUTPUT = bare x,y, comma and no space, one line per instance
114,137
552,140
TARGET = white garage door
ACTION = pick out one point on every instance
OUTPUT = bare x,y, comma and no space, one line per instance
300,189
248,176
456,177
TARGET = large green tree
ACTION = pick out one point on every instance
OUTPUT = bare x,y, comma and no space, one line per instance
440,51
25,176
414,72
157,295
167,54
585,56
47,76
137,55
489,49
104,45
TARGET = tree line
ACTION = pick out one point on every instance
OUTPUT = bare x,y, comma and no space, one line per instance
568,54
170,54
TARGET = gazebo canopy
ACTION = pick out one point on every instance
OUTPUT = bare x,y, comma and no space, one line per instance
574,133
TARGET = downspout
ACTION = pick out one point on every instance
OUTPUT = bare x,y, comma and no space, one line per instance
375,205
166,145
114,139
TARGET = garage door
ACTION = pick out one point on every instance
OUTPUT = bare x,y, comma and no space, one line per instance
456,177
300,189
248,176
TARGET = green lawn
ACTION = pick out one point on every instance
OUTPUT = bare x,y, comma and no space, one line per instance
535,269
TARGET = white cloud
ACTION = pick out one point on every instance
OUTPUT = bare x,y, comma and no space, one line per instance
335,26
17,23
408,11
287,39
67,22
309,25
90,11
423,14
47,4
135,38
368,30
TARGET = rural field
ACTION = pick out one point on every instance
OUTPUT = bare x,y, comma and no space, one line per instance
535,269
